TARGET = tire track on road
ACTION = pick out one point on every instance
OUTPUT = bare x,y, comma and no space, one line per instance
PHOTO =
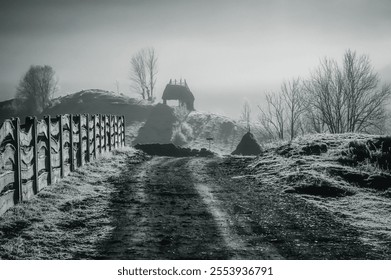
238,244
158,214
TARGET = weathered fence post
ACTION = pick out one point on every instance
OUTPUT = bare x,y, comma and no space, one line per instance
119,141
94,135
105,131
49,132
61,144
123,131
34,135
100,134
117,128
110,119
116,131
113,132
119,131
18,169
80,140
72,152
88,137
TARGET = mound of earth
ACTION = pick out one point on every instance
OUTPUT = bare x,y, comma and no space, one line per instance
171,150
95,101
248,146
92,101
321,164
346,175
159,126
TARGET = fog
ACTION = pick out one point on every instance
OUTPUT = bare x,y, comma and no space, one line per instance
227,51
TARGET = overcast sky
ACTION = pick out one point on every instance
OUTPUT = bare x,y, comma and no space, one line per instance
227,50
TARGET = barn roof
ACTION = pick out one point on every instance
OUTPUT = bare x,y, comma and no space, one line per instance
177,92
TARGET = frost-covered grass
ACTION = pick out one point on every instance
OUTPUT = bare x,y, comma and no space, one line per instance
66,220
341,173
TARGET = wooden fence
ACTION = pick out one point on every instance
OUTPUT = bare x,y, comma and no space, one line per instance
40,152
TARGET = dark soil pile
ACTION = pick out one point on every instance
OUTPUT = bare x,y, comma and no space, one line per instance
172,151
248,146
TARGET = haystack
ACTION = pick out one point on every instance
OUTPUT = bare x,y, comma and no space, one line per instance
248,146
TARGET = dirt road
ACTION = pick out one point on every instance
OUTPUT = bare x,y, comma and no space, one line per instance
166,211
197,208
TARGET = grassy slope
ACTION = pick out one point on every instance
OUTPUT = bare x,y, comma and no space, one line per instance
100,102
355,190
93,101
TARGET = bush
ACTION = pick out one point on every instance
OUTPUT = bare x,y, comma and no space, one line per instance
187,131
178,138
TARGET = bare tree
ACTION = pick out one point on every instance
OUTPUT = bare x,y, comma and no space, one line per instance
312,120
36,89
295,106
151,63
143,72
138,74
365,100
246,114
272,118
325,91
348,98
117,86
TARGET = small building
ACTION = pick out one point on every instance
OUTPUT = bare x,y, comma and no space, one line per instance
179,91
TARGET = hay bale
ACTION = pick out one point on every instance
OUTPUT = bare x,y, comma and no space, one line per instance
248,146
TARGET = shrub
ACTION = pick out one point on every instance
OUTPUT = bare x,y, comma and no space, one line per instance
178,138
187,131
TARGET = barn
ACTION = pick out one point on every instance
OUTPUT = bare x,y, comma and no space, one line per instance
179,91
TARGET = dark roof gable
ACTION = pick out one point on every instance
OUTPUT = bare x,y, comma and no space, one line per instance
181,92
177,92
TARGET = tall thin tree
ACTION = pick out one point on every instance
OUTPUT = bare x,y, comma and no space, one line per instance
293,100
246,114
144,72
273,118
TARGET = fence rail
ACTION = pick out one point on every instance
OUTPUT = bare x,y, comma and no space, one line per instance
40,152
